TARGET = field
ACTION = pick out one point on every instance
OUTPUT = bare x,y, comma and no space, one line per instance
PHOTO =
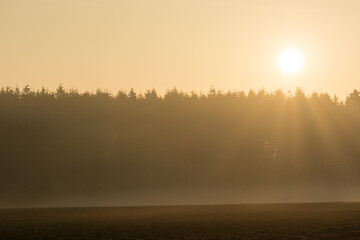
257,221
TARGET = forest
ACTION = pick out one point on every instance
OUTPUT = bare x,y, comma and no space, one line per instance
71,143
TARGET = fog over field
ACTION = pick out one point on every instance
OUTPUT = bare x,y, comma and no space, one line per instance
179,119
66,148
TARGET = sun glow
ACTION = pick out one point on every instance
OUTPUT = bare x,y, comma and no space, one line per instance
291,61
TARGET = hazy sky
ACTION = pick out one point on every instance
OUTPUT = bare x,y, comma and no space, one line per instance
190,44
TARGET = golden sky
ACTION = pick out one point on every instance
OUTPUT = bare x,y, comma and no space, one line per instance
190,44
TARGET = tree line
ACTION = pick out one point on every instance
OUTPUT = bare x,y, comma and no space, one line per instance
70,143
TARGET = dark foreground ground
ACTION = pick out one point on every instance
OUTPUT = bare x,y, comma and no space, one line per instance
270,221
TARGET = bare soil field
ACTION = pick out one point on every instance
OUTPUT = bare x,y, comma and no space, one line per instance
255,221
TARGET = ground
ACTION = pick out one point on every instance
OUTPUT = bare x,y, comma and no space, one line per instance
256,221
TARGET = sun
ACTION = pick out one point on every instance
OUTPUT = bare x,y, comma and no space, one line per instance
291,61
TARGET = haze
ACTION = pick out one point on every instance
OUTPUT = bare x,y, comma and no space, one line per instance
155,102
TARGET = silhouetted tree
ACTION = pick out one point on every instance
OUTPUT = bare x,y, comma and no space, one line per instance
90,143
